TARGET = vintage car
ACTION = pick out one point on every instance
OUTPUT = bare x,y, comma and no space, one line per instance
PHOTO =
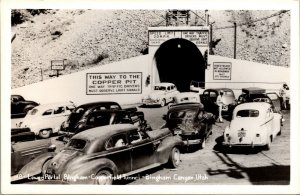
82,112
190,122
209,98
186,97
24,148
19,106
253,124
108,117
197,87
46,119
256,94
162,94
104,154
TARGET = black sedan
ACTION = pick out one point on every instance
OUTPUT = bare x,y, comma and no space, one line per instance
104,154
190,122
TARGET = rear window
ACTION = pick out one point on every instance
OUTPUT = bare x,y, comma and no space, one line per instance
77,144
182,114
247,113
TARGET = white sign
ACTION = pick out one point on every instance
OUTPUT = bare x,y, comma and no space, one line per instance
198,37
222,71
57,65
113,83
158,37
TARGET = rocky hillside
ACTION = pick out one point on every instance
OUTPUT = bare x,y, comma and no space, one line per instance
86,38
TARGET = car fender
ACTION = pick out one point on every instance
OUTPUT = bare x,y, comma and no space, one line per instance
34,167
165,147
92,167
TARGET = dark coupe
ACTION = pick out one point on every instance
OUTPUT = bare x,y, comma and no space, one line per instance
191,122
19,106
108,117
102,154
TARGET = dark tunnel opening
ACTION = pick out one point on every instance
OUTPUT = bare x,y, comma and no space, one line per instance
179,61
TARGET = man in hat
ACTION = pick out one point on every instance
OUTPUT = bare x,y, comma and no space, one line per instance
283,93
220,103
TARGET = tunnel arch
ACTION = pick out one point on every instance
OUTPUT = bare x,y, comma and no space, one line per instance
179,61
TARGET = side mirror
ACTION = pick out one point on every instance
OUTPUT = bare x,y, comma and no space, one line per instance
52,148
164,117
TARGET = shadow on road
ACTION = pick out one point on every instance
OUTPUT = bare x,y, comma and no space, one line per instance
265,175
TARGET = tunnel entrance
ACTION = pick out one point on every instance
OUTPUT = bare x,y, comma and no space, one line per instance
179,61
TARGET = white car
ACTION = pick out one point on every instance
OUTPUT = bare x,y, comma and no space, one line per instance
162,94
253,124
196,87
187,97
46,119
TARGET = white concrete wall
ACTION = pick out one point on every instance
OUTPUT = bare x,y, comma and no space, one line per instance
73,86
248,74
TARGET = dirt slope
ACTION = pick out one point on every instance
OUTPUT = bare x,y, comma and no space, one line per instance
86,38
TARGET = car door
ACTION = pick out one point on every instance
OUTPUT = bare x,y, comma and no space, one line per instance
142,149
269,122
119,152
276,122
276,101
58,116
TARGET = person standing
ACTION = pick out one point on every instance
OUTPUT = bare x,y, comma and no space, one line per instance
283,94
220,103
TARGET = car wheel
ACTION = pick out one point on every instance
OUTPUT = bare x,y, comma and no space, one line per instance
268,145
45,133
104,177
203,143
163,103
174,158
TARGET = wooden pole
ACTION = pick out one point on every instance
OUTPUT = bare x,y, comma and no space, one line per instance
234,47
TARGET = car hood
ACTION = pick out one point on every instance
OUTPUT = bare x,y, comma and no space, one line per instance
155,94
156,134
58,163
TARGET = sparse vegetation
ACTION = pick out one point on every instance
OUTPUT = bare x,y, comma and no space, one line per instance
97,37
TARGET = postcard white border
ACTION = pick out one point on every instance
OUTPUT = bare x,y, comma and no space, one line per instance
6,5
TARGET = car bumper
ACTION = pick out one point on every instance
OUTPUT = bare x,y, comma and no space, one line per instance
192,142
252,144
150,102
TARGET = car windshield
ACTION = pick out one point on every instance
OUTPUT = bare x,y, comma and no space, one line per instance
159,88
228,93
272,96
77,144
247,113
183,114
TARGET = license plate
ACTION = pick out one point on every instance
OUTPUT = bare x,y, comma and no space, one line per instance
225,107
241,134
177,132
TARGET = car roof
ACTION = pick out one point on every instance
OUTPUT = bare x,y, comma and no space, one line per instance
104,132
219,89
163,84
91,104
53,105
185,106
260,106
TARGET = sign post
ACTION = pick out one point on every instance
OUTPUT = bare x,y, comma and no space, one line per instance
57,65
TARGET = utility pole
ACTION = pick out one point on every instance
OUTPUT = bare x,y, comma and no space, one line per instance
234,46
